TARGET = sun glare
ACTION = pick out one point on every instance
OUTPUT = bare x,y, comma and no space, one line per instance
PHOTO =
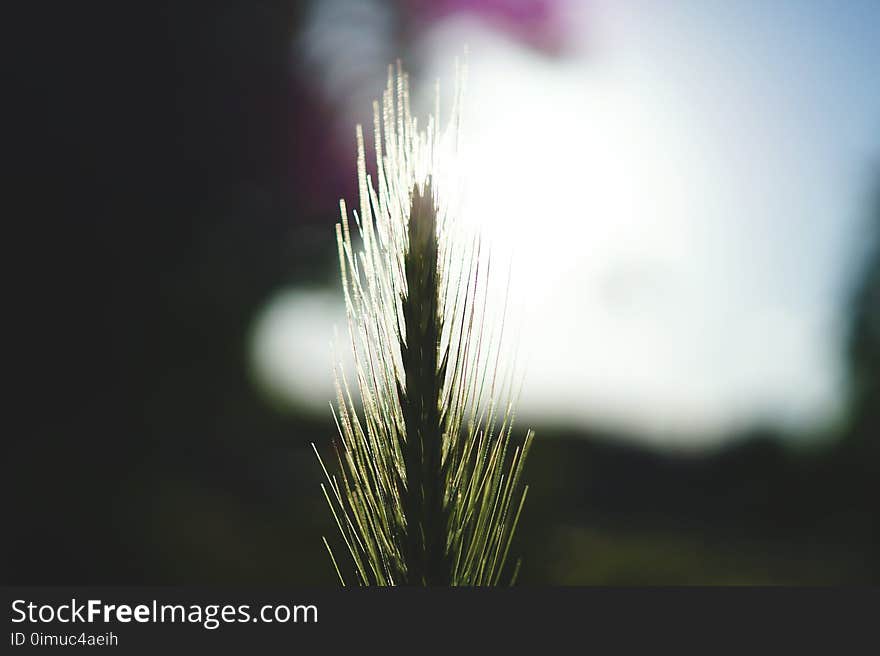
674,232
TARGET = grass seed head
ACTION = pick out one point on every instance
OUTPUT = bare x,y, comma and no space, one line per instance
427,489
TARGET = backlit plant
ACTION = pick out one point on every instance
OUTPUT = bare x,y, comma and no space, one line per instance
427,488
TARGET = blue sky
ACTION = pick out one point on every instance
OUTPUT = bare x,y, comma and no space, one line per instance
682,195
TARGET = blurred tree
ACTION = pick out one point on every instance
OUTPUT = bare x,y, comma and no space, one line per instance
864,347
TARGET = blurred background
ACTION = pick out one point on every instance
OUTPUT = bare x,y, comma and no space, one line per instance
690,194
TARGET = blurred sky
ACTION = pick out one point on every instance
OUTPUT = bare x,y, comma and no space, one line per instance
679,186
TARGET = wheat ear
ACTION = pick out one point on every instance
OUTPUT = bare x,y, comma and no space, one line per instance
427,489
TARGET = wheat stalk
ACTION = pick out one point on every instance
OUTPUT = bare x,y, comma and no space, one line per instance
427,490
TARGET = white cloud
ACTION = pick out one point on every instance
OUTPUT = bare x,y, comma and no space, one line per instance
678,229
